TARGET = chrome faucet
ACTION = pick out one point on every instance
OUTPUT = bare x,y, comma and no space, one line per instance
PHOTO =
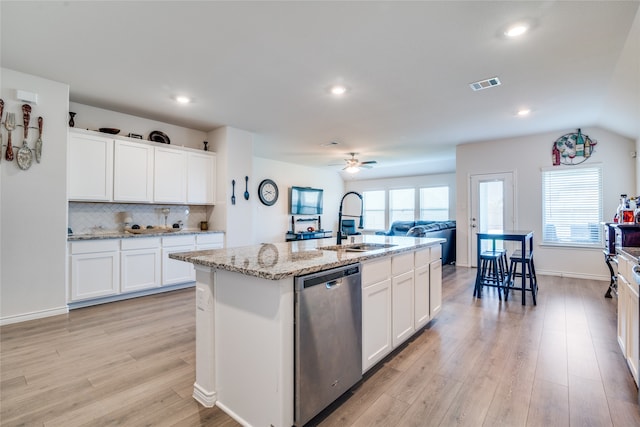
360,223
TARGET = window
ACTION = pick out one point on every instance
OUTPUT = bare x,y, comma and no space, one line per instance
434,203
572,205
402,205
374,209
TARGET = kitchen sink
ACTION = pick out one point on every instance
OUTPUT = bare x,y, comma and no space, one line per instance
358,247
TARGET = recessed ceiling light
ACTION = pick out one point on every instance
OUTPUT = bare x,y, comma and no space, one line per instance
516,30
524,112
338,90
183,99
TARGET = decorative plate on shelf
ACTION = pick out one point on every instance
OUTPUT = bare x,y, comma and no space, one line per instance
112,131
157,136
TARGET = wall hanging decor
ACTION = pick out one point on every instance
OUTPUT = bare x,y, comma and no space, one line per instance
23,154
572,148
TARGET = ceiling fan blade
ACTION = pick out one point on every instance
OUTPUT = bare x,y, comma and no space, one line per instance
370,162
366,166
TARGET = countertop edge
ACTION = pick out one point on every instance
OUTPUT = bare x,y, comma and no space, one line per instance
200,258
125,235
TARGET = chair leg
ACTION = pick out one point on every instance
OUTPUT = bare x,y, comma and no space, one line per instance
532,281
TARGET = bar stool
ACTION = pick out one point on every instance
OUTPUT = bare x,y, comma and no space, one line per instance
529,273
492,271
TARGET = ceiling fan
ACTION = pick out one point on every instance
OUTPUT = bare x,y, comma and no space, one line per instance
354,165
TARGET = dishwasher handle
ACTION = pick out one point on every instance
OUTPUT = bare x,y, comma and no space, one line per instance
333,283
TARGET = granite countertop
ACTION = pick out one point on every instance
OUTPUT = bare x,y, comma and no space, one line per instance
275,261
631,252
127,235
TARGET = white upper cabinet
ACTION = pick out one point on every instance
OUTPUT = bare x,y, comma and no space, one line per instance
133,172
108,169
90,169
170,175
201,174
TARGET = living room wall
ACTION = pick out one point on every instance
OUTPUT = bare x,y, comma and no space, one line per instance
526,156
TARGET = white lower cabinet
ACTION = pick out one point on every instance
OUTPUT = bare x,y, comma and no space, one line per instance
376,311
421,309
435,288
402,307
139,264
633,338
174,271
209,241
628,315
106,268
95,269
399,296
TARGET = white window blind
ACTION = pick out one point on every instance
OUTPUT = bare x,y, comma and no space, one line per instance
434,203
374,209
572,205
402,205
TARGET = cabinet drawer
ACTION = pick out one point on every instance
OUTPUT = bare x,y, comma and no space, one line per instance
422,257
137,243
93,246
376,271
401,263
209,239
178,241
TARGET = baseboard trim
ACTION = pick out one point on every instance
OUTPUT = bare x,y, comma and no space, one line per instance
17,318
129,295
204,397
233,415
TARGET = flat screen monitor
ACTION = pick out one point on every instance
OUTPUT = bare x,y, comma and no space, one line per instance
305,201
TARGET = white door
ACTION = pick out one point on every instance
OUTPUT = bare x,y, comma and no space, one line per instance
492,207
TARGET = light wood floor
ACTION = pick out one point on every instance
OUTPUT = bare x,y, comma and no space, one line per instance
479,363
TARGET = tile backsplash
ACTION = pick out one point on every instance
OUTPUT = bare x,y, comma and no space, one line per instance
89,218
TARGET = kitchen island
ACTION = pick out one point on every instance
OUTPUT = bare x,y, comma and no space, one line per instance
245,314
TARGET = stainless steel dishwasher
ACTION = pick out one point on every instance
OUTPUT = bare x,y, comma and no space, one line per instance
328,338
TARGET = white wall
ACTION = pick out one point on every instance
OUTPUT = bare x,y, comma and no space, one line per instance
234,161
34,206
448,179
93,118
273,222
526,156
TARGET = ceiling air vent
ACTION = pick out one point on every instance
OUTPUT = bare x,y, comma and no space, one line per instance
484,84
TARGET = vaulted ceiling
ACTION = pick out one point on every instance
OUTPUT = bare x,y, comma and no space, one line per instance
266,67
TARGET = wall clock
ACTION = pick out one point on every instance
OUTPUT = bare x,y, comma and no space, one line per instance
268,192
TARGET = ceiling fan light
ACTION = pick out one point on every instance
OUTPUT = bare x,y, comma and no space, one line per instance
352,169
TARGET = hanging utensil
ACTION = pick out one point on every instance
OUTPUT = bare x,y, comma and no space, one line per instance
233,191
1,111
246,191
25,155
9,124
39,141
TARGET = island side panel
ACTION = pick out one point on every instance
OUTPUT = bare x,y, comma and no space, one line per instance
204,389
254,348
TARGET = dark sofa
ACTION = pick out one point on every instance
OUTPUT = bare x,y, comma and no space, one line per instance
442,229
